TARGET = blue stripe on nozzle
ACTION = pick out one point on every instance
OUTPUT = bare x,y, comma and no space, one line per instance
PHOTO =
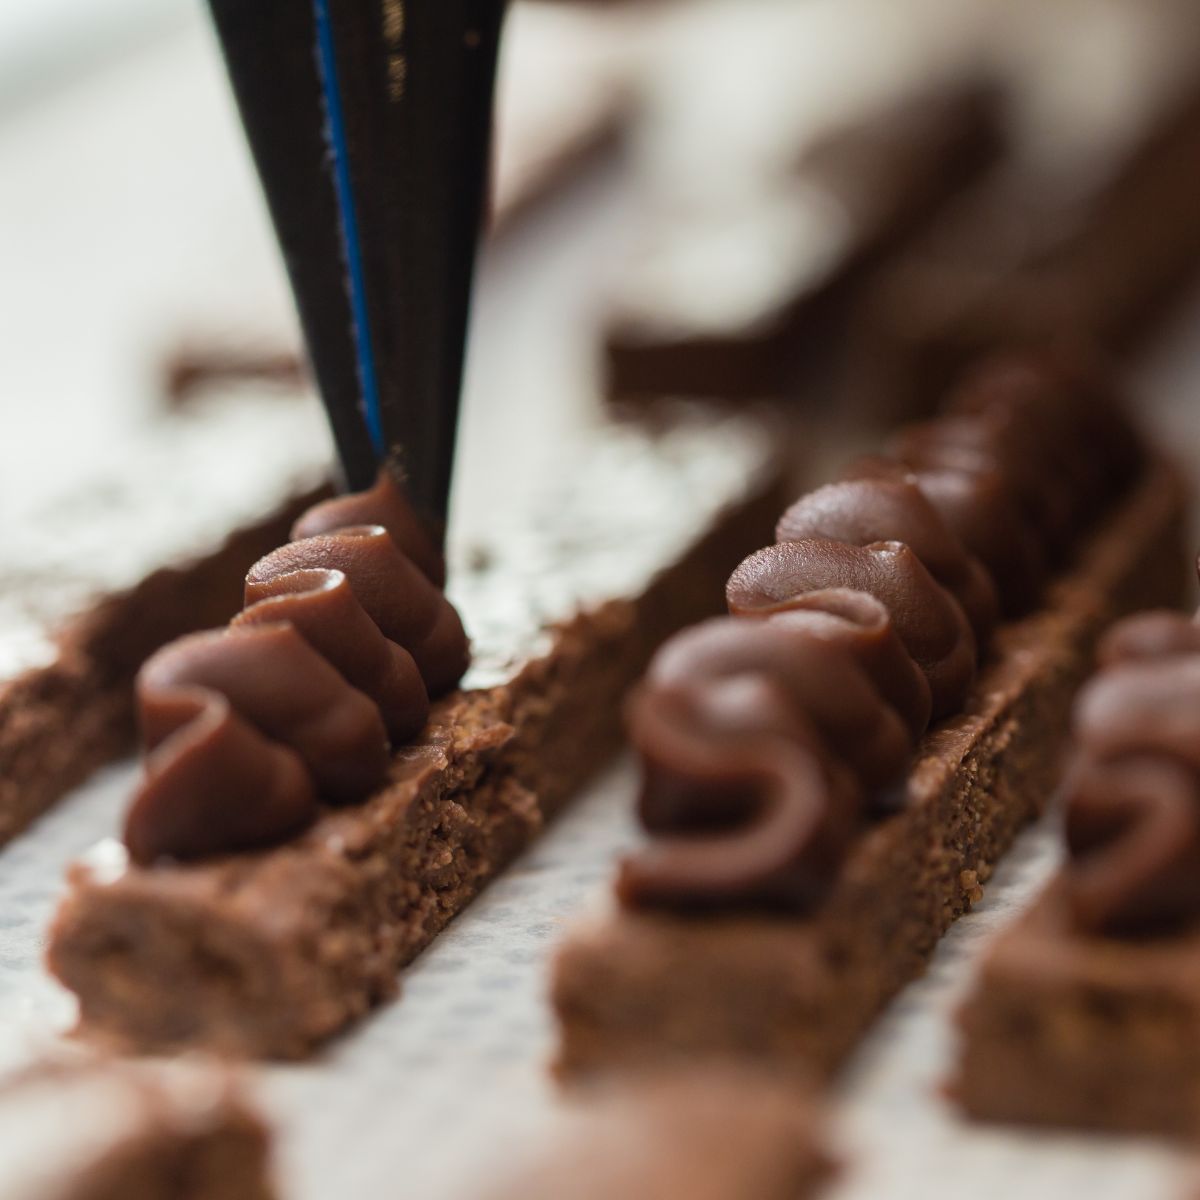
344,188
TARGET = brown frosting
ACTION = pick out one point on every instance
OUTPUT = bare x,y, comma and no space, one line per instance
341,644
974,443
767,743
862,512
1051,426
406,607
1068,400
874,715
929,622
383,504
1133,789
1133,832
979,508
763,816
862,624
1028,453
1147,636
756,772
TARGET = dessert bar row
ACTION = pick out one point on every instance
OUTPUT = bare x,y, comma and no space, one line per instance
831,772
809,842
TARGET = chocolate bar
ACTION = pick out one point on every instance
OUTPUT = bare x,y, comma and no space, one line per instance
802,865
269,953
728,297
1085,1013
720,1135
1031,258
99,1130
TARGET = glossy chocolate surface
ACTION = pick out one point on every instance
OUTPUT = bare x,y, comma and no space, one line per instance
770,738
343,639
1133,790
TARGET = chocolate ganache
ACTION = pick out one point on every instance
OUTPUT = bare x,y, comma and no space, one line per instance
769,738
1133,788
344,638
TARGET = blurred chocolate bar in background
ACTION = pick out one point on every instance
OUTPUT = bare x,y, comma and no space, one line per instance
1027,260
852,217
562,101
706,1133
732,309
812,212
778,158
84,1128
1087,230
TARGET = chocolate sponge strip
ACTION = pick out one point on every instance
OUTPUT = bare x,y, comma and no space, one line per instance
1084,1032
94,1129
268,955
1010,266
890,175
60,723
700,1134
642,987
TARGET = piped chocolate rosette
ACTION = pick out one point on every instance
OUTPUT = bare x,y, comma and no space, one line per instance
770,738
1133,788
345,637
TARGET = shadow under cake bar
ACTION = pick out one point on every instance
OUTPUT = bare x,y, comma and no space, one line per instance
584,572
1086,1012
734,942
103,1130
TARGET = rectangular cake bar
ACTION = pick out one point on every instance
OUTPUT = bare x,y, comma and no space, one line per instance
562,101
269,954
103,1130
1032,250
148,540
691,318
639,987
1083,1032
690,1135
129,521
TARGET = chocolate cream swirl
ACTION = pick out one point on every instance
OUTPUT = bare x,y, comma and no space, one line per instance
344,638
1133,788
769,738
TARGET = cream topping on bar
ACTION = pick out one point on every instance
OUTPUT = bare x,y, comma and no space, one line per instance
747,750
1133,789
343,639
768,738
862,512
548,551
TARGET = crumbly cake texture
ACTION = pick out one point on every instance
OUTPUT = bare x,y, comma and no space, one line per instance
1079,1031
102,1130
702,1134
269,954
62,720
639,987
